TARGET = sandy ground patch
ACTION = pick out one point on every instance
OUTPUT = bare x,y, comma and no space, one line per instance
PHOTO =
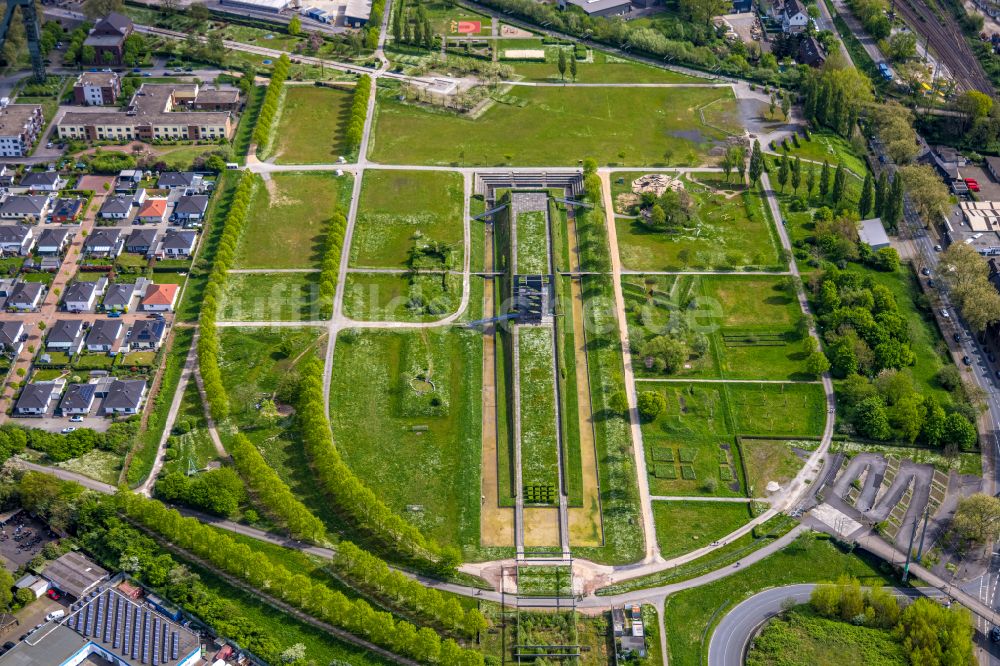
541,527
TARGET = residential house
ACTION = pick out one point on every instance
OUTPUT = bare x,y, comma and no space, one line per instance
20,125
178,243
42,181
142,241
25,207
810,52
125,396
146,334
128,180
65,335
186,180
7,176
160,298
53,241
97,88
11,338
107,38
26,297
67,211
16,239
104,242
118,297
794,17
216,100
117,207
993,166
36,398
103,335
77,400
190,209
81,296
589,7
152,211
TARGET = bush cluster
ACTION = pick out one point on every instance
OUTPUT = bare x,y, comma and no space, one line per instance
273,494
355,616
59,447
359,109
208,342
218,491
331,259
269,107
351,497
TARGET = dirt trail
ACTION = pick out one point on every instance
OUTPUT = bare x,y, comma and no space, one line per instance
496,523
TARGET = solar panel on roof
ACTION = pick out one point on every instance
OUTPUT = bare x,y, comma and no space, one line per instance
99,615
163,642
112,616
119,607
153,639
136,628
145,637
87,619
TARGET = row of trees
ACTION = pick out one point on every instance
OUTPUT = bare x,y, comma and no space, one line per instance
374,576
350,496
359,110
836,95
928,632
374,24
272,494
355,616
225,254
967,274
329,270
414,30
268,114
218,491
873,16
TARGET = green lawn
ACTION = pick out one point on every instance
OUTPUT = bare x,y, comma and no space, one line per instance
770,460
311,129
806,560
103,466
195,445
142,359
532,243
556,126
398,297
405,409
271,297
605,68
685,526
287,223
724,233
828,147
780,410
401,209
813,639
539,444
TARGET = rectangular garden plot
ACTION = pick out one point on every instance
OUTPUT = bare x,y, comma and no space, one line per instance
539,443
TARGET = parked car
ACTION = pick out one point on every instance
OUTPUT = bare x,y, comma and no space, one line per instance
67,431
966,360
973,184
937,248
925,271
956,337
53,594
944,313
55,615
76,419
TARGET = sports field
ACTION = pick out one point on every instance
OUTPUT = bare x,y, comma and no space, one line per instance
287,222
311,129
405,409
401,210
555,126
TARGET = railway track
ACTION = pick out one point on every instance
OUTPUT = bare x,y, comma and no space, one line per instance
948,44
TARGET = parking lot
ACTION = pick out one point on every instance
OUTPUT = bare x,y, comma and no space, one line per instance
989,190
30,617
17,550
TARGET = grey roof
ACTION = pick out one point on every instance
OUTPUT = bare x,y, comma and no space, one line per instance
147,330
793,7
78,396
65,330
119,203
67,207
176,179
35,396
10,332
57,647
25,293
53,237
82,290
114,21
103,237
810,51
19,204
178,240
13,233
104,332
872,232
141,238
40,179
125,393
103,79
118,295
74,574
195,203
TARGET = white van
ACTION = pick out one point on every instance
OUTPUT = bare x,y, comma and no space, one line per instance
232,166
55,615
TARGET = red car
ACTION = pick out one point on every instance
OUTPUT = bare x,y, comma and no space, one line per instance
973,184
55,596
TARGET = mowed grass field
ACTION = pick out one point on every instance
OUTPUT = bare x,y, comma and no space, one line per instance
685,526
271,297
393,297
311,129
400,208
604,68
288,219
556,126
539,443
405,409
728,230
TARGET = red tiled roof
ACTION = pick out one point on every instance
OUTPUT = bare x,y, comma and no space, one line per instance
160,294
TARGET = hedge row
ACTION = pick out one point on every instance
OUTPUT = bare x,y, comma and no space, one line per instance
355,616
351,497
359,109
208,342
272,494
331,258
269,107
